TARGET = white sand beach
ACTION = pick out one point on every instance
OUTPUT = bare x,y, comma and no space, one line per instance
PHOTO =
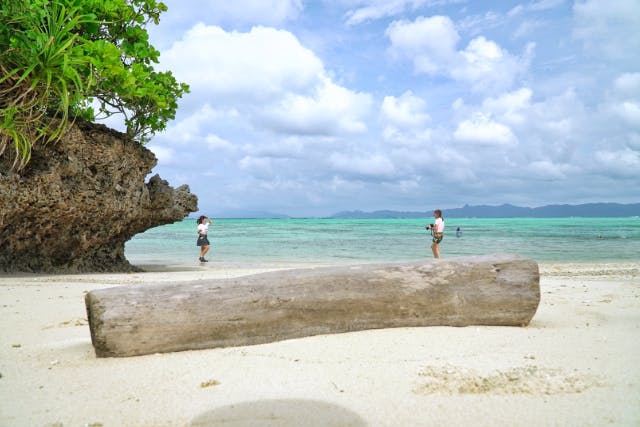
576,364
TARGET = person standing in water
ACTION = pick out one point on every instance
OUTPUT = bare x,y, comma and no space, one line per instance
437,232
203,240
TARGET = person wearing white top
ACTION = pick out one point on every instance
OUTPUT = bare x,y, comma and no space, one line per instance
203,240
437,232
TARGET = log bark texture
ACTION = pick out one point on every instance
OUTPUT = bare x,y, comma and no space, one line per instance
500,290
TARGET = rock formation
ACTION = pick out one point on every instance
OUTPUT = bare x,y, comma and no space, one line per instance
79,200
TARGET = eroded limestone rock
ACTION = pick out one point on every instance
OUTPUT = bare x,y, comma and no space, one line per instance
79,200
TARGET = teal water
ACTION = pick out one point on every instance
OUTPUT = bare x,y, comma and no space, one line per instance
268,241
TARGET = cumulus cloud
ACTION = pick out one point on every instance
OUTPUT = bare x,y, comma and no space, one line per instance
404,119
331,110
431,43
547,170
269,77
487,66
243,67
621,163
406,111
214,142
628,85
191,128
481,129
633,141
629,111
308,117
623,100
259,167
608,27
365,166
512,107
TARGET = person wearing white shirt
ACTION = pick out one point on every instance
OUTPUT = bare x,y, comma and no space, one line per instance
203,240
437,232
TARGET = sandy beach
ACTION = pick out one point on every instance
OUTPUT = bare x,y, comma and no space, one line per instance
576,364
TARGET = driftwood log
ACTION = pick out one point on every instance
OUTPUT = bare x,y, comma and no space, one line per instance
500,290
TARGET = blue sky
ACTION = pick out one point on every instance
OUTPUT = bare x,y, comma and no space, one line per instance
308,108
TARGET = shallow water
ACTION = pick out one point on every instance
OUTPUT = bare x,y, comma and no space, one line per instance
258,241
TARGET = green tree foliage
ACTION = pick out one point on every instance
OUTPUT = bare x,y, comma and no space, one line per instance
61,59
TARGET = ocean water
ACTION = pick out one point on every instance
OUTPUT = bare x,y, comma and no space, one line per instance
310,241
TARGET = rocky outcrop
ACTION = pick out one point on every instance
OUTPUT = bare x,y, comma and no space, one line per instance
79,200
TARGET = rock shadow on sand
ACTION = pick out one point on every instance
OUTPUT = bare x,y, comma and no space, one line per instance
281,413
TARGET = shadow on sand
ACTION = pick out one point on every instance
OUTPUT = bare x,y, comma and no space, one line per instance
281,413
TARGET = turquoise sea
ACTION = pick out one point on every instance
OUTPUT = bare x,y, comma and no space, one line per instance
321,241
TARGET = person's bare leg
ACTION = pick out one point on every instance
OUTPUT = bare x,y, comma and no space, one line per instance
435,248
203,251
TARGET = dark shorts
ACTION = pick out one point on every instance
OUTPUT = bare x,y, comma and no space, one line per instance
437,237
202,241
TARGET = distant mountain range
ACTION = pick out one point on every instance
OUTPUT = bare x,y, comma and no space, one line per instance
510,211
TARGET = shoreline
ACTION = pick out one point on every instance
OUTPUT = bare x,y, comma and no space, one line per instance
577,363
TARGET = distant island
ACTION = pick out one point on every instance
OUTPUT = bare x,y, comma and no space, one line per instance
510,211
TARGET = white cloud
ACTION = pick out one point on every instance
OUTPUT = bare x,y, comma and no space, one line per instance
258,167
431,44
548,171
559,117
608,27
623,101
214,142
407,137
488,67
267,12
331,110
633,141
407,111
309,117
193,127
376,10
366,166
475,24
526,28
165,155
628,85
622,163
370,10
481,129
512,107
251,12
629,111
245,67
269,78
404,119
546,4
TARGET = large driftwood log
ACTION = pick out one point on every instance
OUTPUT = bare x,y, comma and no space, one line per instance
141,319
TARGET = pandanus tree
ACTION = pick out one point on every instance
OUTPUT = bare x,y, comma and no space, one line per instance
66,59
